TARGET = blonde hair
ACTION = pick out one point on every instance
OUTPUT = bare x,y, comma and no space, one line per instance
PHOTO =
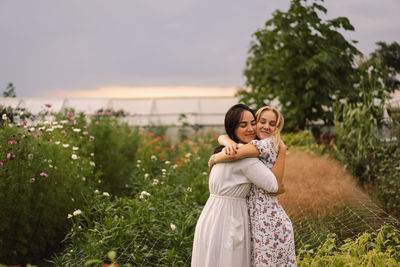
280,121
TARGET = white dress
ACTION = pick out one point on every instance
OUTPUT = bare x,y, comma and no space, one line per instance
222,236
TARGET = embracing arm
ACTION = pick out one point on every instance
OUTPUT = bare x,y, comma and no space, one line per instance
230,145
261,176
245,151
279,167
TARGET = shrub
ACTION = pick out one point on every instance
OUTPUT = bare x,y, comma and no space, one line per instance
44,175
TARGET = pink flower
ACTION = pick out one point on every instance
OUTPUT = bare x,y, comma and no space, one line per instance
1,163
84,127
24,123
10,155
47,105
70,114
71,119
91,137
44,174
32,180
85,133
50,140
38,134
63,132
13,142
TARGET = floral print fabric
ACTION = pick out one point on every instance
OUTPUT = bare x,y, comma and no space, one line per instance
272,239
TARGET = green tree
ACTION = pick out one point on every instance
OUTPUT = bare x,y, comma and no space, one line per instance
387,56
10,91
303,62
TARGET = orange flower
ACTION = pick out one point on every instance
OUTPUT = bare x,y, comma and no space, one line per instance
157,148
149,143
151,134
183,159
162,157
155,140
178,163
151,152
167,148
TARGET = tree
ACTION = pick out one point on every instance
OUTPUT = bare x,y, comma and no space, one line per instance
303,62
10,91
388,59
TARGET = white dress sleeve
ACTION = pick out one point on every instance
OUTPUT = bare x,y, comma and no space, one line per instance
261,176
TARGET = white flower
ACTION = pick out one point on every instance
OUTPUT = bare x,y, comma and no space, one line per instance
155,182
4,117
139,161
74,156
65,145
189,189
175,166
64,121
173,227
73,199
146,175
21,113
57,142
51,166
204,173
92,154
32,129
30,156
168,162
188,155
49,129
96,191
77,130
41,128
153,157
106,194
77,212
163,170
92,163
84,179
138,165
75,148
144,194
69,216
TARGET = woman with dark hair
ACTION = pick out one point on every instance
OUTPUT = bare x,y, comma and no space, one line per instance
222,236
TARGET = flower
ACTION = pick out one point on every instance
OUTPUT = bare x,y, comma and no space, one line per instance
74,156
70,114
13,142
57,142
155,182
77,212
38,134
69,216
49,129
32,180
91,137
63,132
189,189
96,191
168,162
65,145
44,174
85,133
146,175
75,148
47,105
77,130
188,155
10,156
30,156
106,194
144,194
92,163
4,117
64,121
92,154
153,157
1,163
84,127
139,161
173,227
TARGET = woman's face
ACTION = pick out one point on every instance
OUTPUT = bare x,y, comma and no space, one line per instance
266,125
245,131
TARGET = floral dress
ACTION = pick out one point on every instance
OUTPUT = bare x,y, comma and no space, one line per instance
272,239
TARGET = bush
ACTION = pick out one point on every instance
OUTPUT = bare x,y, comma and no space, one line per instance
44,175
381,248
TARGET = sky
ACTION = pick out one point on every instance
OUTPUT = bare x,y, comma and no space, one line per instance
147,48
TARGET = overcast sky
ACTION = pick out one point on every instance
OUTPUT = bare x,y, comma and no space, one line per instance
82,47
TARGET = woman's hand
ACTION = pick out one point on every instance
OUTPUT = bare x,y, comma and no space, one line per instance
281,190
211,162
282,145
231,149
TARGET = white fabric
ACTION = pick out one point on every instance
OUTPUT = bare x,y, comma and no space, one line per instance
222,236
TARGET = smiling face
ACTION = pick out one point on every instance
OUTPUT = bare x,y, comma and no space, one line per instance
266,125
245,130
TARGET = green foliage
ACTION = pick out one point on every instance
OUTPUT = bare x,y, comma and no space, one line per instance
381,248
389,57
156,226
9,91
42,179
303,62
304,140
115,146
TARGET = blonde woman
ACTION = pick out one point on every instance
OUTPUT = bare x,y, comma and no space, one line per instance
272,239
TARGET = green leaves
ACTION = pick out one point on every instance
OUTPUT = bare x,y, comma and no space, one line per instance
298,54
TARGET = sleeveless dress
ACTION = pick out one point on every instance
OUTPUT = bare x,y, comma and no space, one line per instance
272,238
222,236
